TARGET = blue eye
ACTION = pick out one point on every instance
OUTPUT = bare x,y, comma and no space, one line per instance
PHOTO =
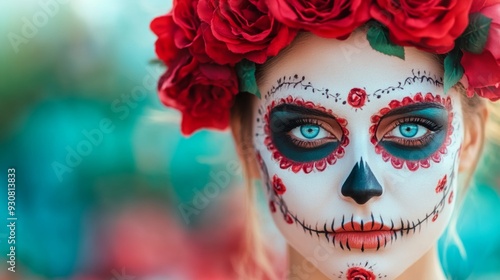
309,131
408,129
415,135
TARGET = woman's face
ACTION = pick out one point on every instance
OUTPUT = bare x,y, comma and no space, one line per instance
359,154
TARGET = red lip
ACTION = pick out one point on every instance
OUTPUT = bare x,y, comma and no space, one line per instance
371,235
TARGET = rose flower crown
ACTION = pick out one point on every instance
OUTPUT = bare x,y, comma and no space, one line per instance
211,47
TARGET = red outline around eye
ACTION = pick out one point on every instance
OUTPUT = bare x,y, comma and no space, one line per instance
396,162
307,167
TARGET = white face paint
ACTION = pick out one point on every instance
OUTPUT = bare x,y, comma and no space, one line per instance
359,154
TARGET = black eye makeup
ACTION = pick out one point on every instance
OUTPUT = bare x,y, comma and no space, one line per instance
413,132
304,134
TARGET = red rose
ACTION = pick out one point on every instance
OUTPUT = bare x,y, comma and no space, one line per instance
431,26
483,70
358,273
245,28
165,47
356,97
204,93
332,19
180,29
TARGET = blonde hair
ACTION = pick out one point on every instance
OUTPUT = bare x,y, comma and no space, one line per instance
257,262
490,156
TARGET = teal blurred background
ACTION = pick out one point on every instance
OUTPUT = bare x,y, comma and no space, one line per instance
106,185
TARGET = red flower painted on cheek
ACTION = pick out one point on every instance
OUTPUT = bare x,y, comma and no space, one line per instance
358,273
441,184
278,186
357,97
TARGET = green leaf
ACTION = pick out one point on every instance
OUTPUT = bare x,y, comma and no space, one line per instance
245,70
453,70
156,62
475,36
378,37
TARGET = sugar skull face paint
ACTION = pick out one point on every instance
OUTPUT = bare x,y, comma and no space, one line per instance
359,154
303,136
413,131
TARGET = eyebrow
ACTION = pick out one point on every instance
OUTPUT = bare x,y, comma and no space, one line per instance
291,108
295,81
414,107
418,76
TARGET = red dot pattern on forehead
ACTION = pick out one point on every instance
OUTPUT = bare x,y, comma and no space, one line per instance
399,163
307,167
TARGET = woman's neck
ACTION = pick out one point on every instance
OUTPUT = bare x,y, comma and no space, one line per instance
427,267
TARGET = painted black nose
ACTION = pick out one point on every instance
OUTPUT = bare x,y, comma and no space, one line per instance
361,184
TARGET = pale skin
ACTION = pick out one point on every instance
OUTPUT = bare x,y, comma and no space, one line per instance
337,72
427,267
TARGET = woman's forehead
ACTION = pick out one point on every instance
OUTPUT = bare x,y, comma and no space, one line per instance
348,76
351,63
419,87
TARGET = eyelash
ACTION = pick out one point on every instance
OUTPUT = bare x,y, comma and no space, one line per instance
421,141
308,144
